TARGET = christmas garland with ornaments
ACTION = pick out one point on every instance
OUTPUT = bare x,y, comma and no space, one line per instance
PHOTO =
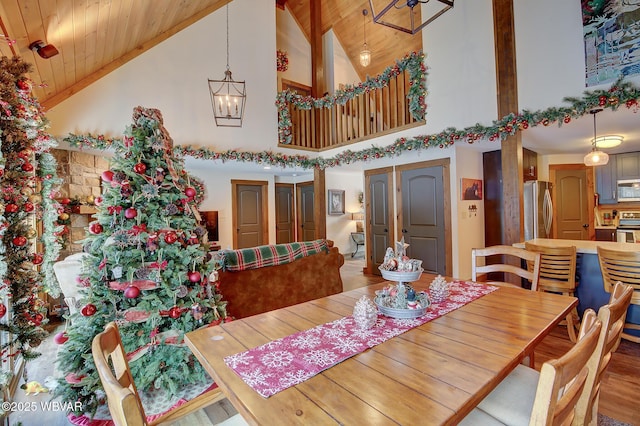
28,186
620,94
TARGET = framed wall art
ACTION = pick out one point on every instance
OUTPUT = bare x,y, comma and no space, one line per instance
471,189
336,202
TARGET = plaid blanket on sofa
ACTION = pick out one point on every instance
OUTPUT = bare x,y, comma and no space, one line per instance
270,255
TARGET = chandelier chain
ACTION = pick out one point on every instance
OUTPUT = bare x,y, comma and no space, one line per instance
227,36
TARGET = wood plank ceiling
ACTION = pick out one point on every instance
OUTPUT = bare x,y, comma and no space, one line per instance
94,37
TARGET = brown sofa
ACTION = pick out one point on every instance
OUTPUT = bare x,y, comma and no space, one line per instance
253,291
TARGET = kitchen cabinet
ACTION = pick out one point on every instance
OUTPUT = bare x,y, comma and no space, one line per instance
529,165
608,234
606,181
627,165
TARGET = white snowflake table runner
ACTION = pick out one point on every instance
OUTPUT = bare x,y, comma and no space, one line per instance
285,362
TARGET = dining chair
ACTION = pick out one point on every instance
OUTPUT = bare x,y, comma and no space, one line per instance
123,399
515,254
548,397
623,266
558,275
612,316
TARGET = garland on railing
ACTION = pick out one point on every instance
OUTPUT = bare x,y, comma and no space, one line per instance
621,93
414,65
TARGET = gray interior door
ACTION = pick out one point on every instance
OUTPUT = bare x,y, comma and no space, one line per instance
284,214
380,228
249,216
307,229
423,222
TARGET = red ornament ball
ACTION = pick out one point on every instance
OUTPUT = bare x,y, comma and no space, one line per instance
28,207
38,317
20,240
190,192
88,310
107,176
37,259
97,201
23,85
130,213
175,312
131,292
170,237
65,201
140,168
11,208
27,167
60,337
195,277
3,310
95,228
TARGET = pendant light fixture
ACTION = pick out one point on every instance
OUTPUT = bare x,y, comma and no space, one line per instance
228,96
365,53
395,13
595,157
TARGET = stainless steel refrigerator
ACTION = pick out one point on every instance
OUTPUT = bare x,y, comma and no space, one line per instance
538,210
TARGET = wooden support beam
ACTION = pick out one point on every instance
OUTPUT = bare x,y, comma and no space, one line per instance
507,84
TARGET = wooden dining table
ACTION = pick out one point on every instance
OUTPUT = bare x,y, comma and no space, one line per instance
433,374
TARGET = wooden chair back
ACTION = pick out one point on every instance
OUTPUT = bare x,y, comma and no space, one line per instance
557,267
623,266
612,317
112,366
478,271
562,381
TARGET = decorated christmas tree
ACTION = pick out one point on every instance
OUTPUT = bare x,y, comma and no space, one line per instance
27,187
147,269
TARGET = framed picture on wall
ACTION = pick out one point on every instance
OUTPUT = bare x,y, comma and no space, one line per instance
336,202
471,189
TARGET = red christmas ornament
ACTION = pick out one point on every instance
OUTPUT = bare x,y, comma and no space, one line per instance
170,237
38,317
97,201
131,292
60,337
20,240
27,167
28,207
11,208
175,312
193,239
107,176
195,277
190,192
130,213
140,168
3,310
65,201
37,259
23,85
89,310
95,228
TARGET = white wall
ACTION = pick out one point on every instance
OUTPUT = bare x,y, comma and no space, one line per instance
461,88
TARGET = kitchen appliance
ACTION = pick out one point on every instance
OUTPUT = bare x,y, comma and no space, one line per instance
628,230
538,209
628,190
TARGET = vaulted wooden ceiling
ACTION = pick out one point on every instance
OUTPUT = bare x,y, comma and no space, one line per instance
95,37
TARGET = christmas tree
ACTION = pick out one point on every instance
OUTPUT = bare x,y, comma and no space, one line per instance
147,269
27,185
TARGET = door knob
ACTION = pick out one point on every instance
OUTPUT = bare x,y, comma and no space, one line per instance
386,230
404,231
585,226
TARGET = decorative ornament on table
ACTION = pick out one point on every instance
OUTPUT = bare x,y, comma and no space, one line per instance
438,290
365,313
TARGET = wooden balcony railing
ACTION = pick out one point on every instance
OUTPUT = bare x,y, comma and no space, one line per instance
388,103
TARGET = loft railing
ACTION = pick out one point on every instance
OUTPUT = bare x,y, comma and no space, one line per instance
385,104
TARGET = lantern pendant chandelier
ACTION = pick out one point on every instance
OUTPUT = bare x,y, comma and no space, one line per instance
595,157
228,97
394,15
365,53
